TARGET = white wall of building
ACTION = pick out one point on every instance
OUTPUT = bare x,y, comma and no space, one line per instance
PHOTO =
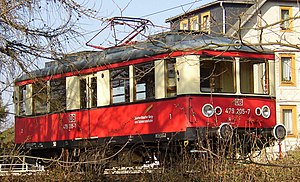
264,28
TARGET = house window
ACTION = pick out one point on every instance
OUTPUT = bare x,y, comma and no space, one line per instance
285,18
40,98
144,81
288,118
171,77
119,80
205,22
184,24
194,25
287,69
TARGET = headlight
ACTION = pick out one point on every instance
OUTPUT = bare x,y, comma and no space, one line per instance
218,110
225,131
279,132
265,112
208,110
258,111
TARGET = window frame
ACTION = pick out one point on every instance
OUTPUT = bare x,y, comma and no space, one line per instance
294,118
204,26
22,100
265,76
292,82
170,90
208,68
89,97
150,72
126,86
182,22
290,26
60,103
192,19
84,93
93,81
40,89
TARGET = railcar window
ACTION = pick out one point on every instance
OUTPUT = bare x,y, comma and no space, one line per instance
144,81
119,79
88,92
217,76
58,95
40,98
83,93
22,98
254,77
171,78
94,91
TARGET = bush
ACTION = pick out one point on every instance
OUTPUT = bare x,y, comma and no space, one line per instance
188,167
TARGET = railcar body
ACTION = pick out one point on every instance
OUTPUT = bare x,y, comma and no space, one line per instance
173,87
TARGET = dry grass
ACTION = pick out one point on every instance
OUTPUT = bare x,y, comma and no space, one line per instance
188,167
213,169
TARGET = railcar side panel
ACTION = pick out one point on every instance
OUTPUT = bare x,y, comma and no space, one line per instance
138,119
162,116
124,120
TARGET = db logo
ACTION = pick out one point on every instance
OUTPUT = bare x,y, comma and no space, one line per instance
238,102
72,118
71,124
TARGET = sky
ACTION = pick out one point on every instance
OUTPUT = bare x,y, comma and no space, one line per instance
156,11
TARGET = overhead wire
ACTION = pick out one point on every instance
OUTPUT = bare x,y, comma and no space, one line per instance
179,6
151,14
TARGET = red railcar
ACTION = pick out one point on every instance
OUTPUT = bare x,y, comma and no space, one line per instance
175,87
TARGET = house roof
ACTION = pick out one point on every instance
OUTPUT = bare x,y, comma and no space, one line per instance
208,5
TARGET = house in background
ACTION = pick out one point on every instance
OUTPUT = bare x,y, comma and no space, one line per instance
273,24
213,18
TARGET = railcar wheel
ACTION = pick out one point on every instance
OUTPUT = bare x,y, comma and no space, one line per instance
136,155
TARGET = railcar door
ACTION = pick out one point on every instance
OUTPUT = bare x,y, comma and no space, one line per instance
88,98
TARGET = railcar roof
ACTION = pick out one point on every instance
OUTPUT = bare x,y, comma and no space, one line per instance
157,44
